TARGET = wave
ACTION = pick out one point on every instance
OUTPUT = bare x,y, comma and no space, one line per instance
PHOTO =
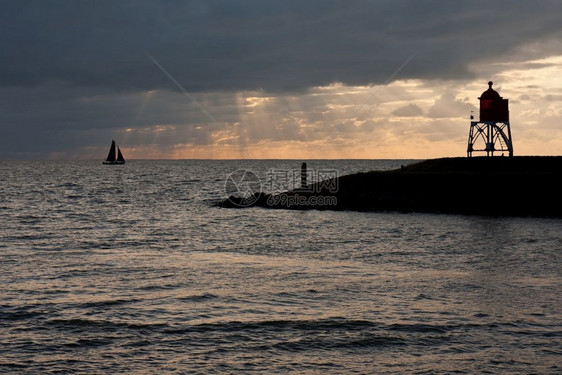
19,314
101,325
198,297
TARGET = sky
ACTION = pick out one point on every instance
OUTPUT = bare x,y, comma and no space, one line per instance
315,79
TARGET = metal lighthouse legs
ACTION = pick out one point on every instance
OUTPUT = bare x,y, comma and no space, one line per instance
489,137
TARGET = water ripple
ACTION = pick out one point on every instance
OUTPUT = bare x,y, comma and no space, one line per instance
133,270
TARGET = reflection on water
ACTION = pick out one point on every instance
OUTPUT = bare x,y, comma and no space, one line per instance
132,269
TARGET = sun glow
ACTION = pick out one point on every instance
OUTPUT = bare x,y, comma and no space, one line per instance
405,119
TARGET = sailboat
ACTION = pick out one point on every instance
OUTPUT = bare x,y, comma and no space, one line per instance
111,157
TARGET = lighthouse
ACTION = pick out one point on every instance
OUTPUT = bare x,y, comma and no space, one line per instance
492,133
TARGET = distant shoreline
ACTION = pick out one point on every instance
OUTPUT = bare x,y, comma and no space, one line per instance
497,186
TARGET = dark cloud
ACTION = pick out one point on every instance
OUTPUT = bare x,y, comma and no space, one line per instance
288,45
50,117
76,72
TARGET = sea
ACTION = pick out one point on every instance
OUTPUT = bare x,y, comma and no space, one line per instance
134,269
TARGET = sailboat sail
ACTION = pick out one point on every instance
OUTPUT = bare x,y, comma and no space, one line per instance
111,155
114,157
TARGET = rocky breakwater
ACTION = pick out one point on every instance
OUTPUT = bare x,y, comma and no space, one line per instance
513,186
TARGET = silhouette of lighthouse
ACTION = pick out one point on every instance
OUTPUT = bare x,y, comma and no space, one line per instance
492,133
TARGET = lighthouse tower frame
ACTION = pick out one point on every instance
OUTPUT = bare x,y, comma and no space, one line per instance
492,133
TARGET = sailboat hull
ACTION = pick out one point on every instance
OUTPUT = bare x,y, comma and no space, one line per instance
113,162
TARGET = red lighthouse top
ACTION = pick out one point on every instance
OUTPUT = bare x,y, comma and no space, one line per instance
492,106
490,94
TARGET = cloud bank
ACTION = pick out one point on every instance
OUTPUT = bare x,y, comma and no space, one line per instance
78,72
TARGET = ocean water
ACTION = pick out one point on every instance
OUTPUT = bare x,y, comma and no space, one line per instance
133,269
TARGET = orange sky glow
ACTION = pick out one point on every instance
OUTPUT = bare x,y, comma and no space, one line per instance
407,119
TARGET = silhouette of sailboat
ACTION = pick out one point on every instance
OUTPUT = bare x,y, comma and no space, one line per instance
114,157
